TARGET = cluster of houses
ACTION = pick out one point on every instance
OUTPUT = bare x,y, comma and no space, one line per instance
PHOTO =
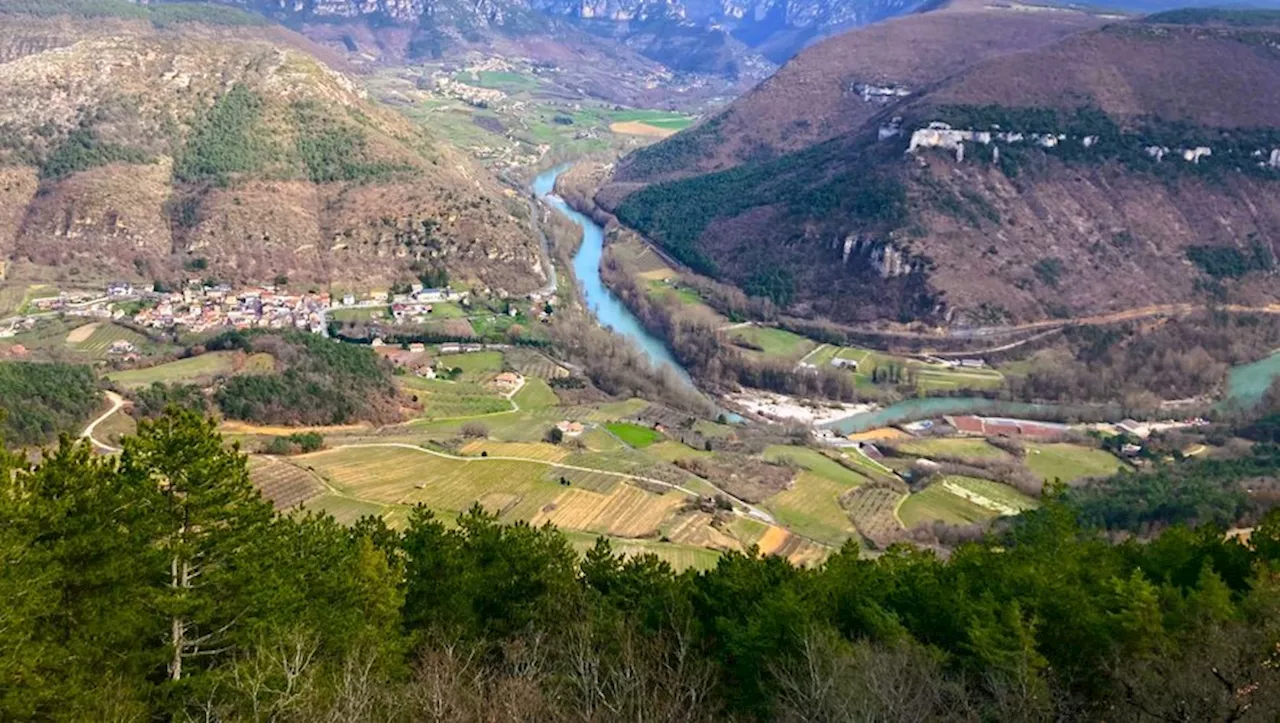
201,308
837,362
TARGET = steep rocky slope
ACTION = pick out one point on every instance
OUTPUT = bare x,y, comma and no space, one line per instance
162,152
686,36
839,84
1131,165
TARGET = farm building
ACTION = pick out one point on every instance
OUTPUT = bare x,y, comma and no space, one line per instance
1000,426
507,381
570,429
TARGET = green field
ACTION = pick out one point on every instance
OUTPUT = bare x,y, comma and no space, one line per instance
442,399
816,462
928,377
345,509
476,364
960,447
935,503
379,312
680,557
812,506
535,394
683,294
106,334
193,370
775,342
505,81
1068,462
634,434
996,492
655,118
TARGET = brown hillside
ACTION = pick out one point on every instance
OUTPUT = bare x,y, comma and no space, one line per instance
812,98
856,229
127,154
1218,77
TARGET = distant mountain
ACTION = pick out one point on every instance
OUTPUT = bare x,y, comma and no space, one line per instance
685,35
1131,164
146,146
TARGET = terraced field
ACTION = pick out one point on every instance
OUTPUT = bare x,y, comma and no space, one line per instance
780,542
348,511
872,510
680,557
525,450
695,528
285,485
454,400
103,336
533,364
627,511
399,475
594,481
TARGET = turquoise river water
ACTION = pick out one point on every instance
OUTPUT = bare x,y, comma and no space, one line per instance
1245,387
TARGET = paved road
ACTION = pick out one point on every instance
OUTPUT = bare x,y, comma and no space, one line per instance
116,403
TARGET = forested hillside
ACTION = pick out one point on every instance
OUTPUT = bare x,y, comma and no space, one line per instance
316,381
158,584
37,401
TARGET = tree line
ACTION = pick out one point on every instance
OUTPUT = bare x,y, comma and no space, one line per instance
159,584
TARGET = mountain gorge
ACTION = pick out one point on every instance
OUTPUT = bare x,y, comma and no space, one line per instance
147,150
728,38
1058,167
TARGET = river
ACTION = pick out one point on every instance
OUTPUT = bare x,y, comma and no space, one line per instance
608,309
1246,385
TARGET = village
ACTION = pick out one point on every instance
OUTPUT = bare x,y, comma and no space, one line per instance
200,307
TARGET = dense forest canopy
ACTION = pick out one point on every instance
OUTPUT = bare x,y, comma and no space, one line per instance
317,381
159,584
37,401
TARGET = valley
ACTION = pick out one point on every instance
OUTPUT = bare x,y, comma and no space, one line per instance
810,360
713,416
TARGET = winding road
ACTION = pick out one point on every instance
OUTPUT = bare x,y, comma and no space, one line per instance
117,402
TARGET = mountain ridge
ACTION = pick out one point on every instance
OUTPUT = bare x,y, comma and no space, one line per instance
952,203
149,154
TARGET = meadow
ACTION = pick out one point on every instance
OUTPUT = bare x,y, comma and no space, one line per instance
936,503
634,435
774,343
812,505
192,370
1070,462
956,447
